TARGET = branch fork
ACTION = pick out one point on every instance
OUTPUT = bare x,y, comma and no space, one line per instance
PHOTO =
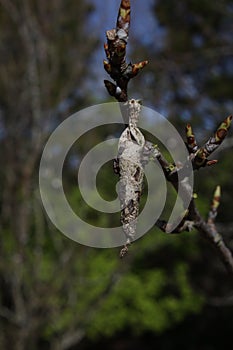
134,152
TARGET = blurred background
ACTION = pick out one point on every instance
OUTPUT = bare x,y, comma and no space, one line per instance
170,292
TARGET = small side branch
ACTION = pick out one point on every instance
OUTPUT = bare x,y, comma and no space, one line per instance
209,231
192,218
200,157
214,206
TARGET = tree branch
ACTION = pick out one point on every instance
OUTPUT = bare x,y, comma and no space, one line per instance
193,218
115,48
130,167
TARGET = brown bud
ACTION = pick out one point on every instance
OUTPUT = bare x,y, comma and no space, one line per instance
110,87
212,162
107,67
107,51
191,141
216,198
120,49
223,129
137,67
123,19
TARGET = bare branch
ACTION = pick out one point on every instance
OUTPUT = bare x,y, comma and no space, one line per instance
214,205
209,231
134,152
202,154
192,217
115,48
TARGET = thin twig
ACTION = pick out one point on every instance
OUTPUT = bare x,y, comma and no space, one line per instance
115,48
